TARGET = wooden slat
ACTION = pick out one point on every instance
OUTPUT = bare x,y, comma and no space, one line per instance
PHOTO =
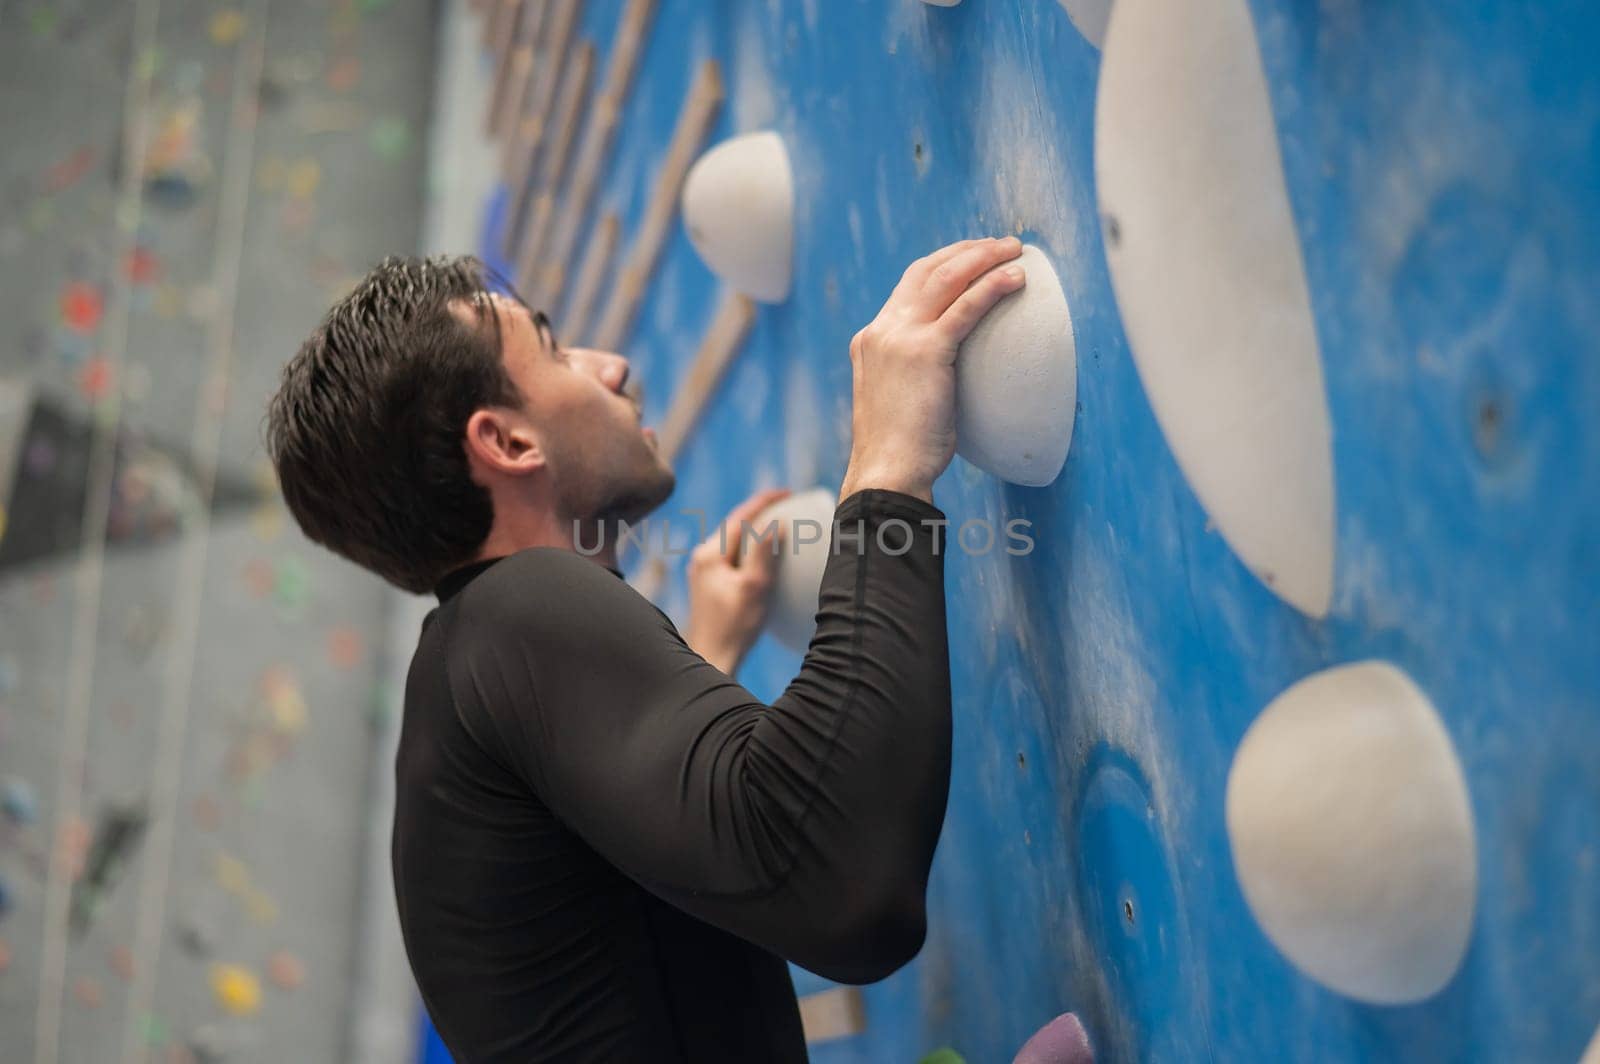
564,119
722,341
501,33
553,165
523,148
530,277
602,124
550,58
652,576
492,12
830,1014
510,90
596,260
699,113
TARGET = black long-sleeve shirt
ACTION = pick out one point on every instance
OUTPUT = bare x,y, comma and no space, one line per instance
605,848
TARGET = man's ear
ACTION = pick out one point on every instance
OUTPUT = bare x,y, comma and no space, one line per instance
504,440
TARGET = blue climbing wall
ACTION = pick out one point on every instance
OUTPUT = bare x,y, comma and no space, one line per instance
1443,165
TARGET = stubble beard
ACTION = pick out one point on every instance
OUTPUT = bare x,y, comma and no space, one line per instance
598,512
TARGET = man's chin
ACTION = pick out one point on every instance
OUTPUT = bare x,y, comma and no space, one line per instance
642,499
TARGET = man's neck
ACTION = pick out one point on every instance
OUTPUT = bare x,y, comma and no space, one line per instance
520,530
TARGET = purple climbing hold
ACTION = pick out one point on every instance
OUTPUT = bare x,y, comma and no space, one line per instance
1061,1041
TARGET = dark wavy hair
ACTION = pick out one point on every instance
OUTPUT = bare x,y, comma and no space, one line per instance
366,430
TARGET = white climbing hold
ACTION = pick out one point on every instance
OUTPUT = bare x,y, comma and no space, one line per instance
806,519
738,206
1090,18
1206,267
1017,381
1592,1054
1352,834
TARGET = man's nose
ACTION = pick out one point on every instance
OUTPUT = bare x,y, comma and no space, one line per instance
616,372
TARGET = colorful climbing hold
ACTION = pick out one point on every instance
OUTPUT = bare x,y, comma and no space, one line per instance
390,137
94,379
148,63
236,989
344,647
304,177
88,992
293,584
260,907
945,1055
343,73
226,27
153,1029
206,813
1061,1041
141,266
285,970
68,171
82,306
259,577
285,705
42,20
232,875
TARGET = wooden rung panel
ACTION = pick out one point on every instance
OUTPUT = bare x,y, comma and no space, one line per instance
510,89
523,149
722,341
699,113
499,35
552,166
602,124
831,1014
596,260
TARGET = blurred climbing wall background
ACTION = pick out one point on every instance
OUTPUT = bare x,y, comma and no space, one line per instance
1442,167
196,705
193,699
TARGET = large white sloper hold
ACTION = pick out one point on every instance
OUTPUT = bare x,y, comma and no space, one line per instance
793,617
1206,267
738,206
1090,18
1017,381
1352,834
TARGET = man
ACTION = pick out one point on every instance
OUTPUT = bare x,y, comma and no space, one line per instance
604,847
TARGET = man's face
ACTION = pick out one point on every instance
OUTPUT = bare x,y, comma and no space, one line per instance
604,465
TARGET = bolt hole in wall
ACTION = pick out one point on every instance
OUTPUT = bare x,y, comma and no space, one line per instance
1284,669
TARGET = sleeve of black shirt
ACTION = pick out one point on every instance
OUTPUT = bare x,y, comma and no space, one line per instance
807,826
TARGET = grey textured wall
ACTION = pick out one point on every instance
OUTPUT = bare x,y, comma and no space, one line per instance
185,186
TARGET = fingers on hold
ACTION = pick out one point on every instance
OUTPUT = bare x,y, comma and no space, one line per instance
916,275
952,278
965,313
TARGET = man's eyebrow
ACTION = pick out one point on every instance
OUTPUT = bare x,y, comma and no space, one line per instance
541,324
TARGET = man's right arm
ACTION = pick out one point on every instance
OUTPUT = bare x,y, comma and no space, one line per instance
809,826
